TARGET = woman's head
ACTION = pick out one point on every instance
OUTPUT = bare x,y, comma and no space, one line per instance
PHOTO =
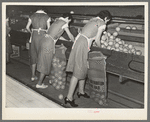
42,9
105,15
67,16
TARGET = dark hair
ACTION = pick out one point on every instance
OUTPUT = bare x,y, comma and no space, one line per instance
42,8
67,15
104,13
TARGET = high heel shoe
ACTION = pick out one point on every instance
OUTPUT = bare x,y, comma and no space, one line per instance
72,103
84,95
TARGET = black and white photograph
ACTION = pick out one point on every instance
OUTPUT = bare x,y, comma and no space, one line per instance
74,60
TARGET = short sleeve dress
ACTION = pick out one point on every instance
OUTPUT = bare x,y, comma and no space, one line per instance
47,48
39,20
77,62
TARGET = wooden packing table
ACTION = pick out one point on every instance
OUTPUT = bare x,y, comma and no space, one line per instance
20,38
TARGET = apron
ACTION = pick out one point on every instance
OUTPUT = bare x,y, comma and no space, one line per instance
88,40
55,40
38,30
45,55
77,62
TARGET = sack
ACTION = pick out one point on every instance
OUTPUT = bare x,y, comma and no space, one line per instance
58,73
97,77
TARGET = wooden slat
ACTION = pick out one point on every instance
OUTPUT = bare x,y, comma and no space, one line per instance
9,104
22,96
126,32
132,38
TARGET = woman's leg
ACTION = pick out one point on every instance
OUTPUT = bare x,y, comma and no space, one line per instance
40,82
81,86
33,58
33,70
72,86
41,78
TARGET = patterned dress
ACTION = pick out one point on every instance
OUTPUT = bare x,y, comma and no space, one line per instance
47,48
77,62
39,25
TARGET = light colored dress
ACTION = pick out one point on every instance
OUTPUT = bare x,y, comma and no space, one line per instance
77,62
47,45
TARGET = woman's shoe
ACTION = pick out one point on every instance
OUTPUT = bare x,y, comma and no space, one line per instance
34,78
41,86
50,82
72,103
84,95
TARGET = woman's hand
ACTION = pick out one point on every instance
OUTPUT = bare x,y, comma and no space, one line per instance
102,28
69,34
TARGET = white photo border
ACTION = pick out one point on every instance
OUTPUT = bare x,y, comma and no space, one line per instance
73,114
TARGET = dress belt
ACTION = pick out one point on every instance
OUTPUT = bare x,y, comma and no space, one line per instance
38,30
